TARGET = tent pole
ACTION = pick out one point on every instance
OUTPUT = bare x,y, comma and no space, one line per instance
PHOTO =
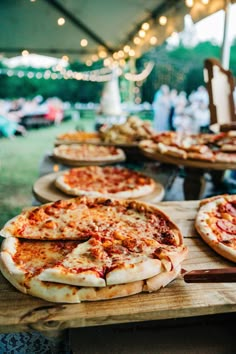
225,49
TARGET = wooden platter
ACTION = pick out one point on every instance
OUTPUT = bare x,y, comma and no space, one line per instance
77,163
45,191
188,163
177,300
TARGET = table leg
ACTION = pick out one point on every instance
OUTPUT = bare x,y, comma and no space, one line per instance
194,183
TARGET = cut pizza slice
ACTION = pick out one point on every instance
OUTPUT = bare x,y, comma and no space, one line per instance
24,262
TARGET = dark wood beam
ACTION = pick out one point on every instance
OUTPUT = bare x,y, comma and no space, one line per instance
79,24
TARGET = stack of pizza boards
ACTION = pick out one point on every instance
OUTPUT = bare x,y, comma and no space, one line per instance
207,150
99,181
86,249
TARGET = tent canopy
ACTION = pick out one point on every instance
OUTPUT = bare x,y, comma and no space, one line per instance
108,26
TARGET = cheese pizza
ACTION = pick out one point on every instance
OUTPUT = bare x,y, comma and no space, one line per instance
91,249
109,181
88,153
216,224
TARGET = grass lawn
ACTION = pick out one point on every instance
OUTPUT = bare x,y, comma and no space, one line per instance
19,165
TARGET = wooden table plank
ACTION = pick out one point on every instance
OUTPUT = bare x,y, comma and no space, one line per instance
19,312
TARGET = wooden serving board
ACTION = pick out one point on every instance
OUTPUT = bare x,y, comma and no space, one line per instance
188,163
45,190
177,300
77,163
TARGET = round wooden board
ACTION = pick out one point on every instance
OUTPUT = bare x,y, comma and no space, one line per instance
208,165
77,163
45,191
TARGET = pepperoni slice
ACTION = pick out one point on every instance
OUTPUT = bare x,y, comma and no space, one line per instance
231,208
226,226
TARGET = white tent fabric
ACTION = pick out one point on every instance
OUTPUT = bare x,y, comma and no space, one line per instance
107,25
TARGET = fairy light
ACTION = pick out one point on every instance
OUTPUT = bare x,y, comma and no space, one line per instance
163,20
145,26
142,33
132,53
136,40
115,55
83,42
61,21
94,57
153,40
189,3
121,54
102,54
126,48
65,58
24,53
205,2
89,62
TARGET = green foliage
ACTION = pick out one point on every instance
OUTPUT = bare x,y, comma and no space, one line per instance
180,68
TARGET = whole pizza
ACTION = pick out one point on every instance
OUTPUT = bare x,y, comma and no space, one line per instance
89,153
216,224
109,181
86,249
78,137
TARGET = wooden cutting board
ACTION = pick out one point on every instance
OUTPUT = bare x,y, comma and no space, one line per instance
45,191
20,312
156,156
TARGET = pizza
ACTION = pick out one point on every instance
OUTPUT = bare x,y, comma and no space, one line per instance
109,181
88,153
216,224
78,137
219,147
86,249
130,132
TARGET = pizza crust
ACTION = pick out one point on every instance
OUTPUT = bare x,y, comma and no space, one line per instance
204,224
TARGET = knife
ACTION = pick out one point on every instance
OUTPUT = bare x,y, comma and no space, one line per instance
221,275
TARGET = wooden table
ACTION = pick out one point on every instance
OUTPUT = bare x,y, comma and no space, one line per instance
19,312
194,182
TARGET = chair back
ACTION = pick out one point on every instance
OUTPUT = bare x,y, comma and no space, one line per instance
220,87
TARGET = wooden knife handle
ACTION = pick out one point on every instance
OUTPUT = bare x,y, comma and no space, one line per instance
223,275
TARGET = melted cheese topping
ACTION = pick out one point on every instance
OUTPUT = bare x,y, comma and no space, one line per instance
85,151
107,179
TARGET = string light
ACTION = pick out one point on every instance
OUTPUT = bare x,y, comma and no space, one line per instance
145,26
205,2
65,58
24,53
132,53
153,40
142,76
136,40
142,33
84,42
126,48
189,3
163,20
61,21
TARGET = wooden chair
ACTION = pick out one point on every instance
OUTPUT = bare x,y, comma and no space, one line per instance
220,87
